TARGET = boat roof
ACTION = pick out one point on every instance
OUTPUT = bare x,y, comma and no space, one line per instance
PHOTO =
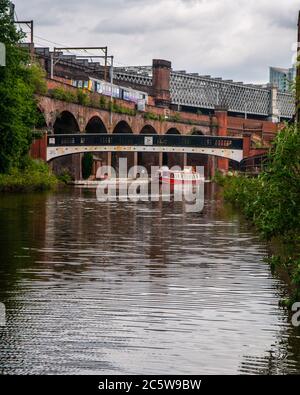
187,169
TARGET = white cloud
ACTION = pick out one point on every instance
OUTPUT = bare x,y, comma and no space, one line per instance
237,39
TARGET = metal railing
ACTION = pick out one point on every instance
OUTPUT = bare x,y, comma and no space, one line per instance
207,92
254,165
69,140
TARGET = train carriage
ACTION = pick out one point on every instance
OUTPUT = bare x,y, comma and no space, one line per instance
108,89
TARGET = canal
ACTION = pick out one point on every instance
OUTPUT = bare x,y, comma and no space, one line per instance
137,288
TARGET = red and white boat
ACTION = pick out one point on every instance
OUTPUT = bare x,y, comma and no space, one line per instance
186,176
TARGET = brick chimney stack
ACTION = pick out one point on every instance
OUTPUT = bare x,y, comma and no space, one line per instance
161,82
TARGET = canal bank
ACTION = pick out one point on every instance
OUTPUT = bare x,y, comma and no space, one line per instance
271,203
123,287
31,176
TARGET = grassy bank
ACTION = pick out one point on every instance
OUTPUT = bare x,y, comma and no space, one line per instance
31,176
271,202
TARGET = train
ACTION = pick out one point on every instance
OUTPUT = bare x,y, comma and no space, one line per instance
108,89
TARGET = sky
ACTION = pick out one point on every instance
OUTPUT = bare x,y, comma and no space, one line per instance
232,39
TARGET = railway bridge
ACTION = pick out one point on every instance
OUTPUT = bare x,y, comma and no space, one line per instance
68,144
178,138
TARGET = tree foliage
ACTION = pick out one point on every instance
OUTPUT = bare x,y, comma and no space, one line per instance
18,82
87,165
272,200
279,200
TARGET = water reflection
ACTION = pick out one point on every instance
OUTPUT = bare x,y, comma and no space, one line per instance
137,288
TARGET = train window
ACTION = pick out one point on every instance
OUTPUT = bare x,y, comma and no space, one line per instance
116,91
101,90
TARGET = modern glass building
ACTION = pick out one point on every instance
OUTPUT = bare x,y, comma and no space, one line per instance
282,78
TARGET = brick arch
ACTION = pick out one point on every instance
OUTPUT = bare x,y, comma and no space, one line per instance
41,109
122,127
197,132
42,122
173,130
65,123
117,118
95,125
148,129
46,113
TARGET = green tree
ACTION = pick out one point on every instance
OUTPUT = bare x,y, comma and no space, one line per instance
279,201
18,82
87,165
272,200
297,89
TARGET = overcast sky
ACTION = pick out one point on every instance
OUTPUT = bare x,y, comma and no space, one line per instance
234,39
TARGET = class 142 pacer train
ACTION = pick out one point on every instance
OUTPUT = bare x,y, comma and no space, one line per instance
108,89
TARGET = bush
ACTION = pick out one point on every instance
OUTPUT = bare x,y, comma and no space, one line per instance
115,107
272,200
38,79
37,134
31,176
151,116
56,93
102,103
176,117
83,97
70,97
65,177
64,95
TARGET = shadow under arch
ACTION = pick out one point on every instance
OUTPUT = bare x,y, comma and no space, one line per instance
173,131
66,123
199,159
171,159
122,127
148,159
197,132
148,129
95,125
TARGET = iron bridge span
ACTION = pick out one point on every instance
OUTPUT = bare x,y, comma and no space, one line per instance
67,144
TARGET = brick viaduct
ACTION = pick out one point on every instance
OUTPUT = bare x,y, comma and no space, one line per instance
65,117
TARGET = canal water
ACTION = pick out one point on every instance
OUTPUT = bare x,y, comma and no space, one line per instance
137,288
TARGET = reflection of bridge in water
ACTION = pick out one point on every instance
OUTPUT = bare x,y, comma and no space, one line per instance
68,144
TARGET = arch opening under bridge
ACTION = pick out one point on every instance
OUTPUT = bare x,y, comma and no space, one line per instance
122,128
199,159
171,159
95,125
65,123
148,159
